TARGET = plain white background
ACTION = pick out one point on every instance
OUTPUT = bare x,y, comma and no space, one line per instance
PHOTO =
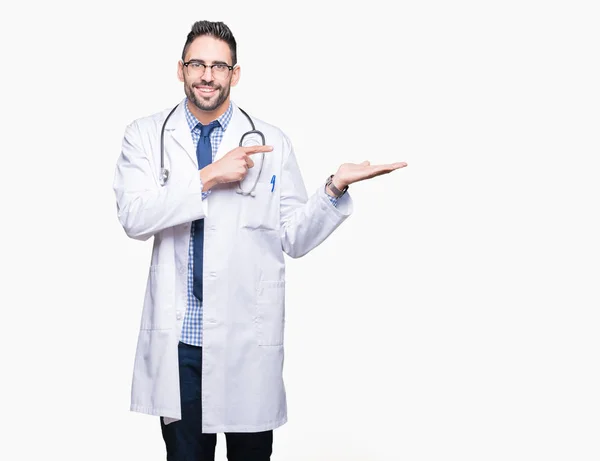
453,316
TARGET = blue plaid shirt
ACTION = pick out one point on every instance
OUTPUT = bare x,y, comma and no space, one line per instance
191,332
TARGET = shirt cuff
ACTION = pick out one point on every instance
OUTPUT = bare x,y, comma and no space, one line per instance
333,200
204,194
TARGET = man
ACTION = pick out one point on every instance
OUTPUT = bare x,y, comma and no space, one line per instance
209,357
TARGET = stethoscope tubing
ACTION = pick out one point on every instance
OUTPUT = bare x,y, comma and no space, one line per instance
164,173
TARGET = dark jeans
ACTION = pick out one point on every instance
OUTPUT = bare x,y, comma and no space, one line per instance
184,439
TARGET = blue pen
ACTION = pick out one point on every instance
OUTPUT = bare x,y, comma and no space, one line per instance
273,183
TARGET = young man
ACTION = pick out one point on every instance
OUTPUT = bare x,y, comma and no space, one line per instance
209,357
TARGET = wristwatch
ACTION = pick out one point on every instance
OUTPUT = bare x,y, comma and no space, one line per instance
338,193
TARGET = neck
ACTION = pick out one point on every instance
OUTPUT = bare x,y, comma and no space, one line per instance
207,116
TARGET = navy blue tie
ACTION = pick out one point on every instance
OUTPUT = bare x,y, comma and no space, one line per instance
204,155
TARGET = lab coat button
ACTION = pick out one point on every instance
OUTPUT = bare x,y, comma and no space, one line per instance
178,315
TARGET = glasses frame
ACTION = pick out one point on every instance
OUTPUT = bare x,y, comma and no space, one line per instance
206,66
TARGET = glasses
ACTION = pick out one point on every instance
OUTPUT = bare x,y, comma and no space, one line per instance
197,69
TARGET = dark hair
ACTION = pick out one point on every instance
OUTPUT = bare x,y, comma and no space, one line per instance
214,29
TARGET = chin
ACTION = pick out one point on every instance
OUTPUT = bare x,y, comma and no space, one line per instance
207,105
211,107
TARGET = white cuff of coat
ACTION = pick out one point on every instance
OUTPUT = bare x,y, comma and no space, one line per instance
204,194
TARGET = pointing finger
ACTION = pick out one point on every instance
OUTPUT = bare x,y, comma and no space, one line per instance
257,149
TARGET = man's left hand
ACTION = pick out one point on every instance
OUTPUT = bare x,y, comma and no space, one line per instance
349,173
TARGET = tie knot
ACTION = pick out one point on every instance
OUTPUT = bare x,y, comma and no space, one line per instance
205,130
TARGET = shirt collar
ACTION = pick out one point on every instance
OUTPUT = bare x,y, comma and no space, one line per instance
224,119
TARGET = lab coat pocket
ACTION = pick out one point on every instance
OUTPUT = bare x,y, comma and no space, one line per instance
260,211
158,303
270,313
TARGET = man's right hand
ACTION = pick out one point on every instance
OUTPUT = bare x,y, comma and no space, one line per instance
232,167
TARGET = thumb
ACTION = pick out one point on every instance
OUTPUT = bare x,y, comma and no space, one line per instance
366,163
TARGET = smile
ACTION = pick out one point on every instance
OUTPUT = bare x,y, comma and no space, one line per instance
206,90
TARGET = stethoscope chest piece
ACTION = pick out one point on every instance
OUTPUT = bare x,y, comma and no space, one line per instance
164,176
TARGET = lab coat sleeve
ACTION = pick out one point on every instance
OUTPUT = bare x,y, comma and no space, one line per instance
144,207
306,221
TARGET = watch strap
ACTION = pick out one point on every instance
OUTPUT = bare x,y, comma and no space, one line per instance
338,193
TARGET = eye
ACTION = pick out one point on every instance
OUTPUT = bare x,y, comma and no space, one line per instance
195,64
221,67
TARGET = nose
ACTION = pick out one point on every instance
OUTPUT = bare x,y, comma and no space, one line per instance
208,77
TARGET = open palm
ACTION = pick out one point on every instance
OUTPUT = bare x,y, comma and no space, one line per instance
349,173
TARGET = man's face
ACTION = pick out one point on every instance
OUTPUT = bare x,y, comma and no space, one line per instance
208,88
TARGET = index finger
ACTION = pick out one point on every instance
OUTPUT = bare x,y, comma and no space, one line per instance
390,166
256,149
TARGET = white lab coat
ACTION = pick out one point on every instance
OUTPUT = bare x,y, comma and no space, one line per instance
244,271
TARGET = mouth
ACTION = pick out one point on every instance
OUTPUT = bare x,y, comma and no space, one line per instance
206,90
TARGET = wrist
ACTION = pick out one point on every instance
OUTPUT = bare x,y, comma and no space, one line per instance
332,189
208,177
338,183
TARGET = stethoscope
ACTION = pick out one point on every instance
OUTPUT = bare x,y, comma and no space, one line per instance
164,173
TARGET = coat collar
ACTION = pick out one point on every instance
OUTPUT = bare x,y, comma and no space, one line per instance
178,127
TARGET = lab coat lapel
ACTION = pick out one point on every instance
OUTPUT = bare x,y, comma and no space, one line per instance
180,130
233,133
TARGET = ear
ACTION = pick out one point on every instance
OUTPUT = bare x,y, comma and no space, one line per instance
180,71
235,78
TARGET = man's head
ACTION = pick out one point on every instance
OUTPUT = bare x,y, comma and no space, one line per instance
209,44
